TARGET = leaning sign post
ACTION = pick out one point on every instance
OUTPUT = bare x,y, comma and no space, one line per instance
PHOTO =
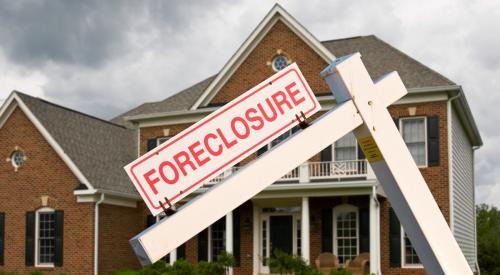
361,108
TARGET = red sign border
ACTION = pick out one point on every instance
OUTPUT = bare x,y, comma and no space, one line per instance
227,107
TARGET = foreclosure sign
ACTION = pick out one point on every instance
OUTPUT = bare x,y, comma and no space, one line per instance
225,137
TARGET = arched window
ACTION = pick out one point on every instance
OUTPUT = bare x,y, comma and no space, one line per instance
345,232
45,222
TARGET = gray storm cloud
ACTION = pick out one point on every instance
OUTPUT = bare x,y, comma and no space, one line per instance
104,57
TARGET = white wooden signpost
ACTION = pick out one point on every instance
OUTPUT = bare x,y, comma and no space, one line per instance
361,108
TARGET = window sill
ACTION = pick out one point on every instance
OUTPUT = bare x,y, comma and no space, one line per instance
413,266
44,265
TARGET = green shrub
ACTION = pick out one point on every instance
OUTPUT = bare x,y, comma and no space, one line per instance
181,267
158,268
125,272
340,272
226,260
203,268
36,273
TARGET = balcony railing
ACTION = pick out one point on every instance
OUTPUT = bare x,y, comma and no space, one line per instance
317,171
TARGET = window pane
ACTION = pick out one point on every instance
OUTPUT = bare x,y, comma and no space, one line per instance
345,148
411,257
413,131
346,235
46,237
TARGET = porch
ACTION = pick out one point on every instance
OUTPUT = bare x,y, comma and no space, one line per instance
317,171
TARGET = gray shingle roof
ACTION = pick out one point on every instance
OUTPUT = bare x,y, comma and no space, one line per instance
379,57
98,148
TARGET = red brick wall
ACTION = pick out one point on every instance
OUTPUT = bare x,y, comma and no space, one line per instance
254,68
43,174
117,225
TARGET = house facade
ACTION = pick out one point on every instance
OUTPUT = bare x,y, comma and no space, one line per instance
67,205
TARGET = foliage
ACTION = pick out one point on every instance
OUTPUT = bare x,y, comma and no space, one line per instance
226,260
125,272
181,267
36,273
488,241
340,272
284,263
203,268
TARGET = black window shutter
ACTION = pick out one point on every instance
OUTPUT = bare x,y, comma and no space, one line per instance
364,230
326,154
59,233
394,240
361,154
181,251
262,150
152,143
236,236
396,121
433,140
203,245
326,230
150,220
30,239
2,237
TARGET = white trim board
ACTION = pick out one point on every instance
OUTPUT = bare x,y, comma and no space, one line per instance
277,13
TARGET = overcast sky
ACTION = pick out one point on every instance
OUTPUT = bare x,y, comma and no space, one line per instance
104,57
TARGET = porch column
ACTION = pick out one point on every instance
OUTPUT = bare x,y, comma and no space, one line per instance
229,235
173,256
374,234
256,227
304,231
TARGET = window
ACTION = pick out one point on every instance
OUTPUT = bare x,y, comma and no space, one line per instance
299,238
279,62
414,134
17,158
45,237
410,257
346,148
345,223
161,140
217,243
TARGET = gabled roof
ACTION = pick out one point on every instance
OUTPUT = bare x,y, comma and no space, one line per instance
95,150
277,13
378,56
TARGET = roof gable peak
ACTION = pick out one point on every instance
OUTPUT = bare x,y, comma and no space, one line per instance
277,13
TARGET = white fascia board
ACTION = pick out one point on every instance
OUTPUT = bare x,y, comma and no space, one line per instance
275,14
110,197
106,192
7,108
48,137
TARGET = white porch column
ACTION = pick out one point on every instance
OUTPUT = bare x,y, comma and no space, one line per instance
173,256
229,235
304,238
256,234
374,234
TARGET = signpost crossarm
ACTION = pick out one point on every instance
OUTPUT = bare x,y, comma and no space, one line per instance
156,241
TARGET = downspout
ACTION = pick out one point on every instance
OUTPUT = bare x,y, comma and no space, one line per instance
377,203
96,234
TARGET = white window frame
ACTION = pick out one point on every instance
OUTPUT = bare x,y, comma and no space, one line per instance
403,253
210,243
37,235
334,158
426,164
339,209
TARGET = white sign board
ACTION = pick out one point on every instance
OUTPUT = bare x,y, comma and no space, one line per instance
207,148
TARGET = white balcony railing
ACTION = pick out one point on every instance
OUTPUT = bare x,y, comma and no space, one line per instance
314,171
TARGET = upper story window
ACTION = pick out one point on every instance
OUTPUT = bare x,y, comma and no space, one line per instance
414,134
346,148
279,62
161,140
17,158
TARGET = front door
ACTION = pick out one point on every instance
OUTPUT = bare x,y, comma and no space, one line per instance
281,234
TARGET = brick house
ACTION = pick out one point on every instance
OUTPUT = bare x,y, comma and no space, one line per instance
68,206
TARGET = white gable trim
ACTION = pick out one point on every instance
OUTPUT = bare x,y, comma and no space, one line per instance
277,13
6,110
